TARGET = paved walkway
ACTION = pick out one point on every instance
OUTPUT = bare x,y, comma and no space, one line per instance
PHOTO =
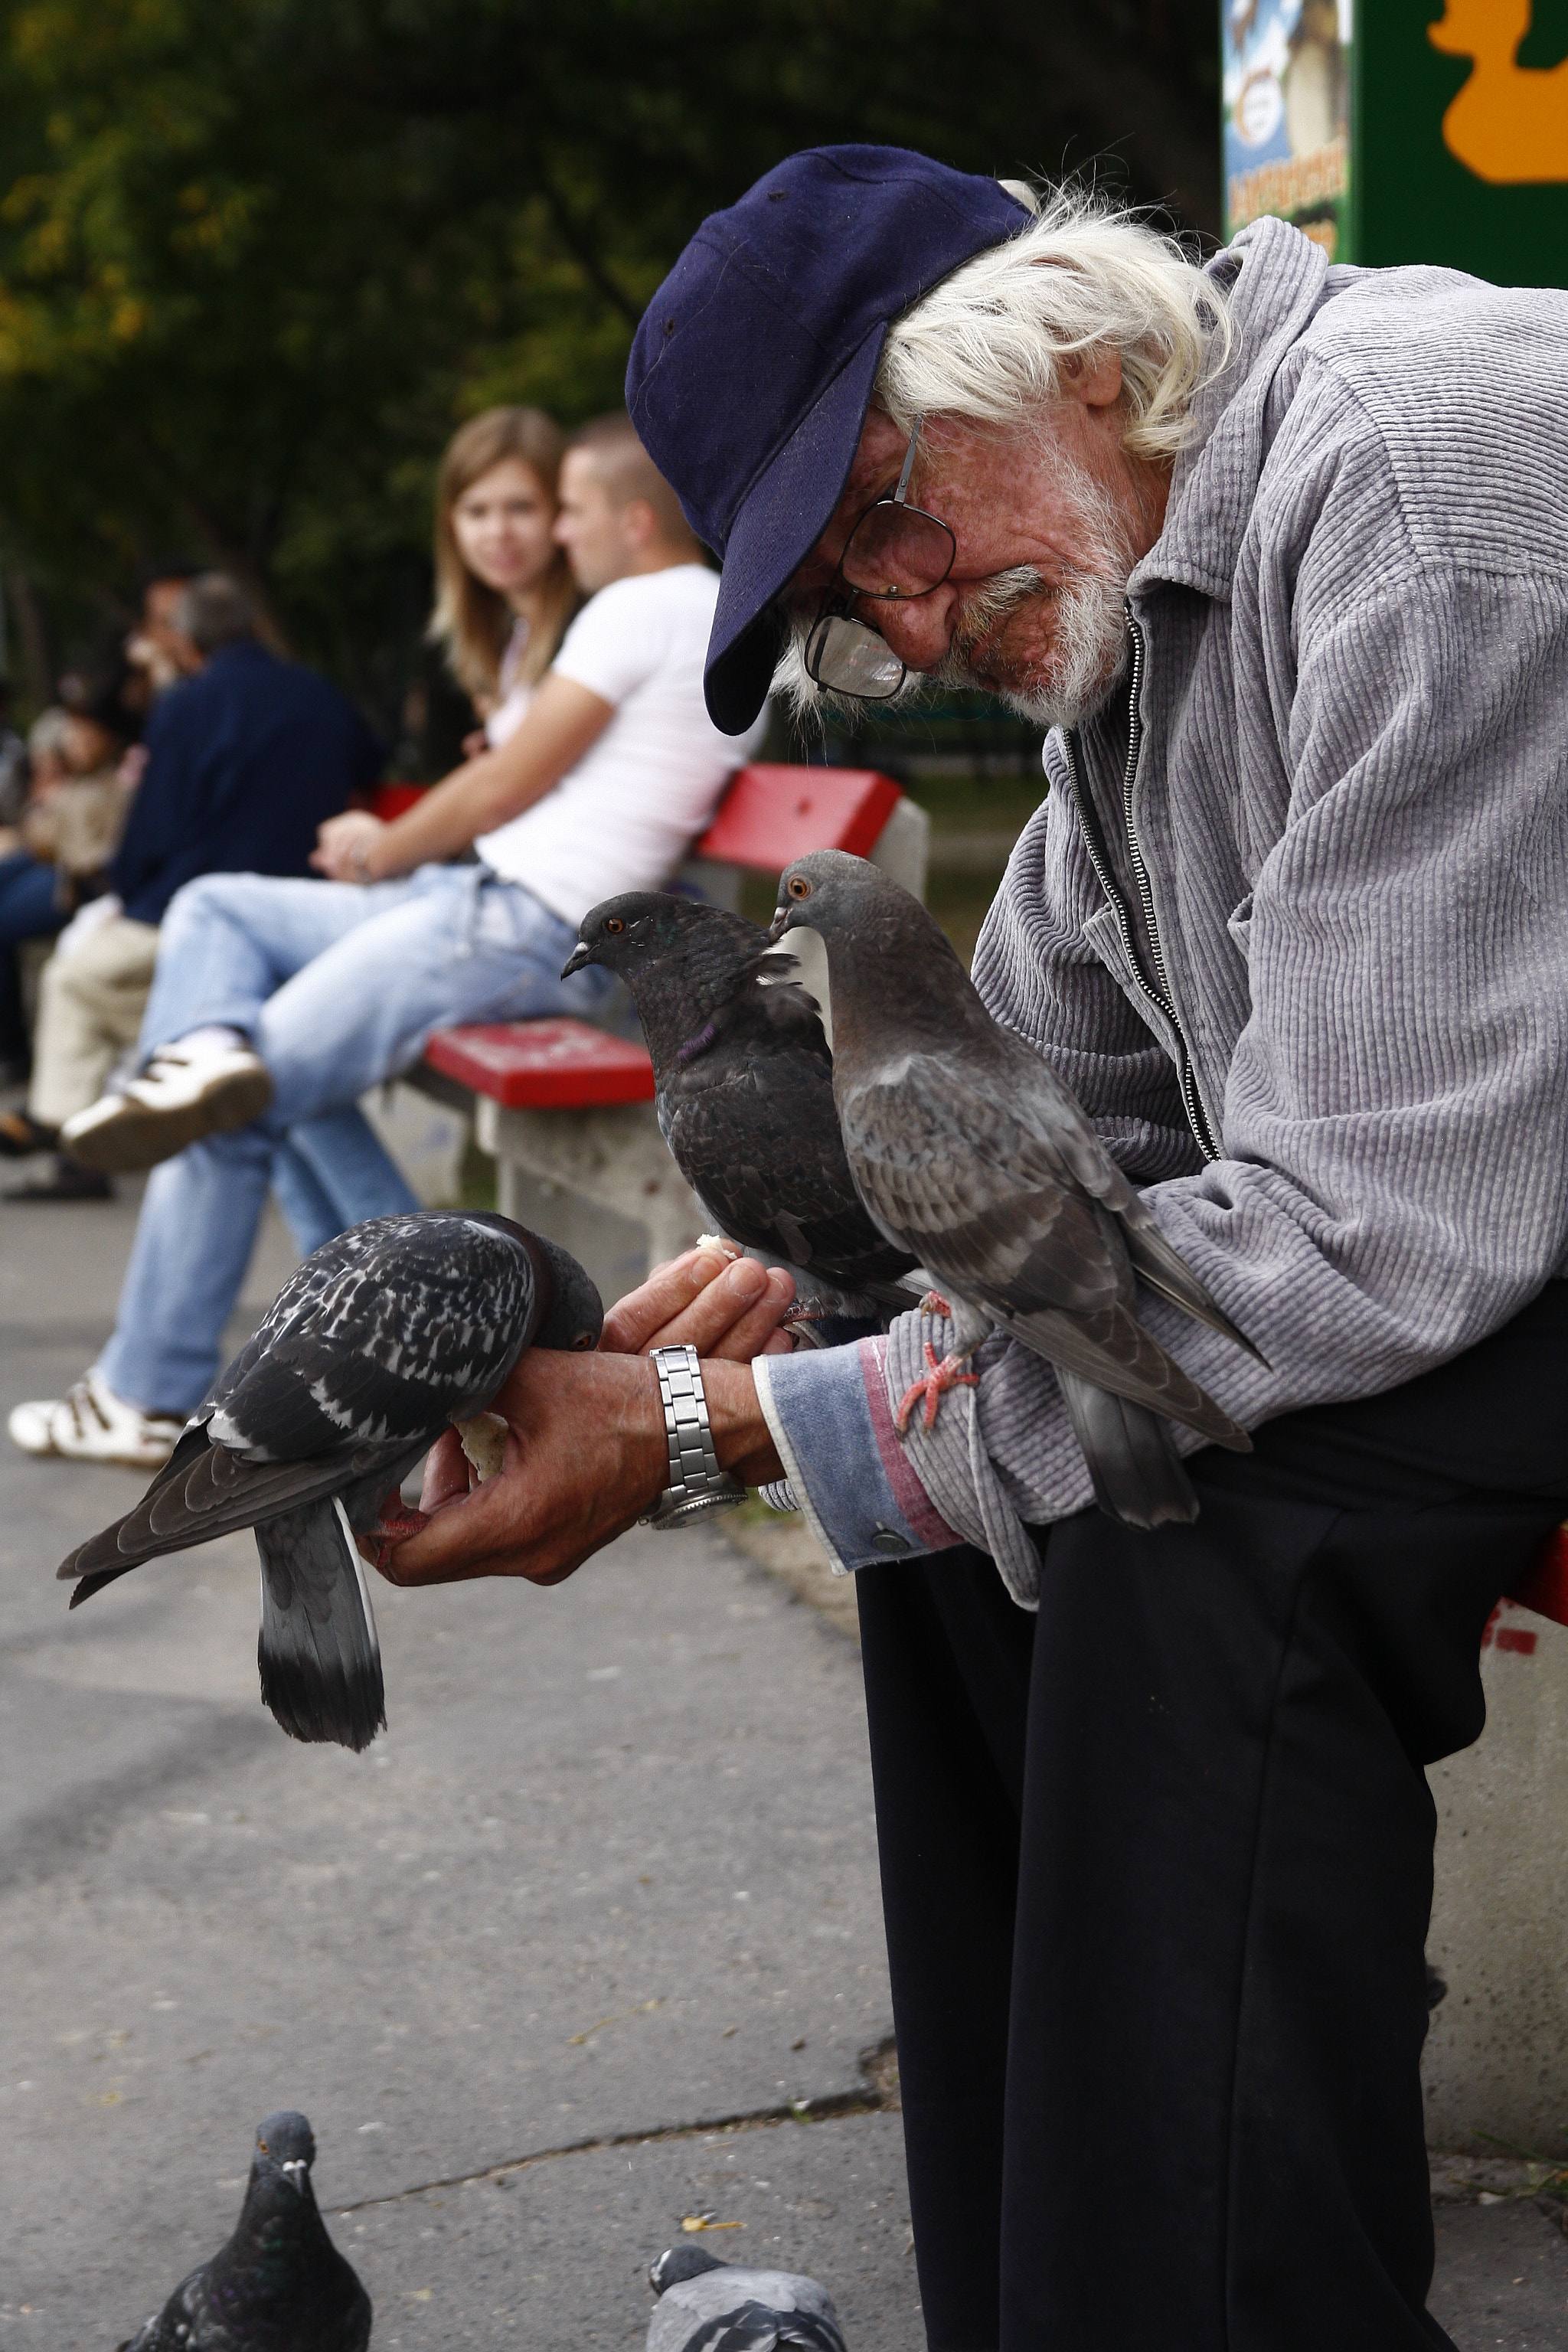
559,1963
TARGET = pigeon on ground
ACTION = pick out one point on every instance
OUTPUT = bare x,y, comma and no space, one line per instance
968,1150
707,2306
744,1090
380,1339
279,2284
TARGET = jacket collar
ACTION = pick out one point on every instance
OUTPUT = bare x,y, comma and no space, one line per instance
1276,278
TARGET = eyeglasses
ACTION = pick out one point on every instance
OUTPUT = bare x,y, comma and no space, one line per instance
895,552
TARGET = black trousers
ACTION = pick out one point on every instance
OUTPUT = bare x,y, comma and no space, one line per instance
1157,1873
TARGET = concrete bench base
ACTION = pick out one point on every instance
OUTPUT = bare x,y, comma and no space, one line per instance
601,1182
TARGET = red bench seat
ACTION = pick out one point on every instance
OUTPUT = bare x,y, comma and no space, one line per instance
544,1065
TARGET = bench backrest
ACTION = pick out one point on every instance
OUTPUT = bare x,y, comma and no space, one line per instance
769,816
772,814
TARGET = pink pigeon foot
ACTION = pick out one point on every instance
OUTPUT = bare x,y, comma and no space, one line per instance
933,1303
939,1378
394,1525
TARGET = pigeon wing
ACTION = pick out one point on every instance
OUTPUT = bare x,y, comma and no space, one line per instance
757,1138
424,1315
982,1188
734,2310
218,1493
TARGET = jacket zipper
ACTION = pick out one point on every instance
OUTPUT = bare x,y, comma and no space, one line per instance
1158,992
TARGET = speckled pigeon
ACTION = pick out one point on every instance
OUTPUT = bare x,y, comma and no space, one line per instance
968,1150
745,1090
380,1339
279,2284
708,2305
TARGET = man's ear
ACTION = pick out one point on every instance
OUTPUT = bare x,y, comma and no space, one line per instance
1094,378
639,524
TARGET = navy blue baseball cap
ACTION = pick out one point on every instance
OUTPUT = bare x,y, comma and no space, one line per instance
752,371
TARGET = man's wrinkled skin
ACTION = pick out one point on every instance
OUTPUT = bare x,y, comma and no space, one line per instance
586,1448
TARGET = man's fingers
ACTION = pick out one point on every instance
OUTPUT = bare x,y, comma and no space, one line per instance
743,1295
632,1323
446,1472
748,1335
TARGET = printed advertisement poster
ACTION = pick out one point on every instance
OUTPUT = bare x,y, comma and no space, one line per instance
1287,116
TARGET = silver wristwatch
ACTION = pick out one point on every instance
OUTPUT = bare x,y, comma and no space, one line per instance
695,1481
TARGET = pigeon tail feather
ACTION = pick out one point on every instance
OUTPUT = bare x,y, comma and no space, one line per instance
1167,1273
1138,1475
318,1651
1129,1362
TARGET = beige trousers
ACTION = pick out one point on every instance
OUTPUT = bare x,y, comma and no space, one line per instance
90,1010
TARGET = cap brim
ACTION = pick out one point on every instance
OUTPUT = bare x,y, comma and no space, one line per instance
780,521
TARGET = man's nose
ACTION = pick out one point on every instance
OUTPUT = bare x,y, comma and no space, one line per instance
919,631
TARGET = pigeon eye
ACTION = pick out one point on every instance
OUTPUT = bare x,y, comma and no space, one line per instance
799,888
612,923
581,1342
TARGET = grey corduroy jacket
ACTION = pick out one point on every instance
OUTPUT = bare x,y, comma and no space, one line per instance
1348,807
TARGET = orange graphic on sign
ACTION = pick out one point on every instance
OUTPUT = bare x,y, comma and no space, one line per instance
1510,122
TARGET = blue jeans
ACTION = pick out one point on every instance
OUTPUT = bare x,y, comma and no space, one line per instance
337,987
27,911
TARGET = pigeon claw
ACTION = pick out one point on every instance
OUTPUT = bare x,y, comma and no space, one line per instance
940,1376
933,1303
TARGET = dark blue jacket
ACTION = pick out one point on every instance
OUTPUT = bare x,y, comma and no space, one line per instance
243,760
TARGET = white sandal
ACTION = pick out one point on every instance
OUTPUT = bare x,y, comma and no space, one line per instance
93,1424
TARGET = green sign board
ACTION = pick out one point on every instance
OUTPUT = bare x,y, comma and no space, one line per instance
1420,130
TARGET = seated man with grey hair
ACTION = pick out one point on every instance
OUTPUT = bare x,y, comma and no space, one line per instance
1279,552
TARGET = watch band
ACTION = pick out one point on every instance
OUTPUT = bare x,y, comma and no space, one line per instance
697,1485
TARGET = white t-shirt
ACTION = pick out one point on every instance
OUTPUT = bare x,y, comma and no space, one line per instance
516,693
627,815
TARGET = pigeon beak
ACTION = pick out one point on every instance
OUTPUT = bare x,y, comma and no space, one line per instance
580,954
294,2174
782,918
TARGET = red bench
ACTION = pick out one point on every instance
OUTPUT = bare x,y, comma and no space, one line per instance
566,1110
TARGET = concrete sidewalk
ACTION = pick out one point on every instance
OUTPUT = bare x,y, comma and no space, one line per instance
576,1951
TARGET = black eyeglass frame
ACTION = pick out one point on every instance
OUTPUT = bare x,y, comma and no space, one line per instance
838,601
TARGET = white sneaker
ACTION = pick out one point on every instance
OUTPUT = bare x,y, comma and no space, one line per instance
185,1092
93,1424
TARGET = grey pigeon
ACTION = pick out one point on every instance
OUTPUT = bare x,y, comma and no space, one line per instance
707,2306
381,1339
968,1150
279,2284
744,1083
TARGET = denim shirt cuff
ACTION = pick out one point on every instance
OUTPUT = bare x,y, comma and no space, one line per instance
828,1412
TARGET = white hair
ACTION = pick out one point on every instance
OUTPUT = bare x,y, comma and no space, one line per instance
996,342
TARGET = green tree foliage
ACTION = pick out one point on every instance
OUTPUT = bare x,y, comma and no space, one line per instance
258,256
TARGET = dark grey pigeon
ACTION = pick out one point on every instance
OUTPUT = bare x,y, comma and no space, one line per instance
744,1090
968,1151
279,2284
380,1339
707,2306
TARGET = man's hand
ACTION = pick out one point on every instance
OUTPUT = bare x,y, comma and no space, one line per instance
346,848
585,1453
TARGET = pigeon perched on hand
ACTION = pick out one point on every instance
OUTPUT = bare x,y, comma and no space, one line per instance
968,1150
279,2284
744,1083
381,1339
707,2306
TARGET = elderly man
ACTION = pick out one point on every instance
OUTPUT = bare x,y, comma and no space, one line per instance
1278,551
